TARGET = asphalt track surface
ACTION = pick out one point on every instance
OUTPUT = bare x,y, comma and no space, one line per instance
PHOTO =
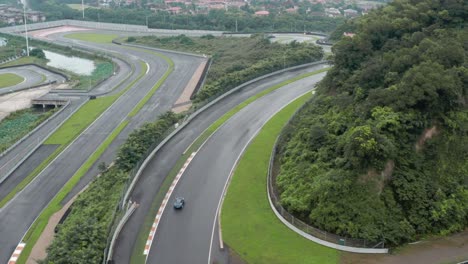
10,160
20,212
32,76
154,174
190,230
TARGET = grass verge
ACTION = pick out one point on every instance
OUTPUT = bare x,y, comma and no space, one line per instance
39,225
25,60
249,225
93,37
137,254
9,79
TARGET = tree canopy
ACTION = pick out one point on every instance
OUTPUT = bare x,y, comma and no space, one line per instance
381,152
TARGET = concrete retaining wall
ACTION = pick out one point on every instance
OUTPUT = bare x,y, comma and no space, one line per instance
105,26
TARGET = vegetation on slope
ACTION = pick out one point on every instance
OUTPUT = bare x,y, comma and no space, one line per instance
237,59
247,196
18,124
381,152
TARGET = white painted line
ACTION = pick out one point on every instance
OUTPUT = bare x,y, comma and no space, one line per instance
147,68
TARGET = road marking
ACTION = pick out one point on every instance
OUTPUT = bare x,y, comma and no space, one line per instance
14,257
157,218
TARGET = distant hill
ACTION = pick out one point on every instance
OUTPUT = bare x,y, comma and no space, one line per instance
381,152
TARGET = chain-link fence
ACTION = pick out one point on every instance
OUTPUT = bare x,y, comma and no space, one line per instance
274,197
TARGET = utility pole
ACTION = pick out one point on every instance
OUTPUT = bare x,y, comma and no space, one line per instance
26,29
146,21
236,24
82,7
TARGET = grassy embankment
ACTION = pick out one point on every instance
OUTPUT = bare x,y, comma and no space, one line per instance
137,256
67,131
9,79
249,226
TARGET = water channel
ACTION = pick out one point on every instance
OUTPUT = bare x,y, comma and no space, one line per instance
73,64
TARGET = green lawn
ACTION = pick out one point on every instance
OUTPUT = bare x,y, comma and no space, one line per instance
80,120
92,37
9,79
249,225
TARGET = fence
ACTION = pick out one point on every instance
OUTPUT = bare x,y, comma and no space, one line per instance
273,195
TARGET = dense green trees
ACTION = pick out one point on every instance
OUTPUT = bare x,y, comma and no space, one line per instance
221,20
236,60
381,152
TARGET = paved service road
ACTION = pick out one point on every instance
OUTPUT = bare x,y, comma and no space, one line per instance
185,236
19,214
154,174
32,75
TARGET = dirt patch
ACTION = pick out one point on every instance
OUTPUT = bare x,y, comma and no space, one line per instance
427,134
20,100
451,249
183,103
39,250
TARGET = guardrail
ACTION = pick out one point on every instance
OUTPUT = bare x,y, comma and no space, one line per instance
314,234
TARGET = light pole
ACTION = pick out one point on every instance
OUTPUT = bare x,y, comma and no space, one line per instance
26,29
82,7
146,21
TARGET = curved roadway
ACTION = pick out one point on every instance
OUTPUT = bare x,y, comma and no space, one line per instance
154,174
191,230
32,76
20,212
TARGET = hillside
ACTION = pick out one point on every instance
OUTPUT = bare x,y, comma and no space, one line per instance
381,152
